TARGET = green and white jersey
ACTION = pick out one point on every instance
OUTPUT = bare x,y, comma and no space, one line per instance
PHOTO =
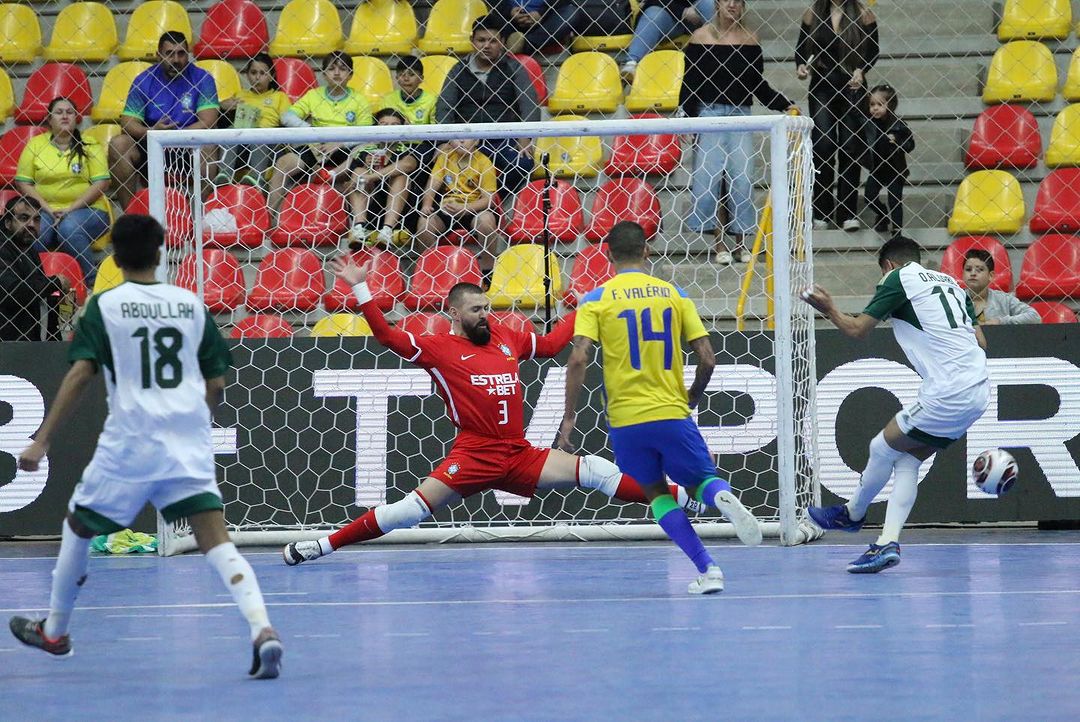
934,322
155,344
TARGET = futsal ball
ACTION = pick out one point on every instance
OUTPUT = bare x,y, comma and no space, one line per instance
994,471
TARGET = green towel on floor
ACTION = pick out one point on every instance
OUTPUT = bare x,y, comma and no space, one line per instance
124,542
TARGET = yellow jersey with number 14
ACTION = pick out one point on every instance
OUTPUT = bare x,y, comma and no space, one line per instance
641,323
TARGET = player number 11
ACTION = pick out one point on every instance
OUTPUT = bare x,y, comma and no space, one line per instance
634,339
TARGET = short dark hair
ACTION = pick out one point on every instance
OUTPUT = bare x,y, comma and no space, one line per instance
899,250
174,37
136,240
390,113
493,22
411,63
9,209
337,56
458,292
892,100
981,254
626,241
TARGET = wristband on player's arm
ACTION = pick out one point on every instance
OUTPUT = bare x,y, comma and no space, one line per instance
362,292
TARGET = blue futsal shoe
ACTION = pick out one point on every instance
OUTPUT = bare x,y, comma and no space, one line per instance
834,517
876,559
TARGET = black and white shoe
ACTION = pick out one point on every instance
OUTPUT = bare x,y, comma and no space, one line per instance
304,551
266,663
31,632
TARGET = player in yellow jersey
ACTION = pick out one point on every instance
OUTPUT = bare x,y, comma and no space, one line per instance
640,321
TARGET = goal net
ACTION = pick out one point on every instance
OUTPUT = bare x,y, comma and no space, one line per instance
320,422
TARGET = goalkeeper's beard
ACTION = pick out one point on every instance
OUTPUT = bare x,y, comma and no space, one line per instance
479,333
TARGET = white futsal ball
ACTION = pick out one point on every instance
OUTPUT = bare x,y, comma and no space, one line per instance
994,471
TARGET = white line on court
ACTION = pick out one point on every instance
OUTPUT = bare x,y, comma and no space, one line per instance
1043,624
272,594
676,629
165,616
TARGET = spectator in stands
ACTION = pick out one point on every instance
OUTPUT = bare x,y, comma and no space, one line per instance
261,106
412,101
174,93
538,23
490,86
724,66
992,307
660,20
383,169
23,283
334,104
67,175
837,47
888,142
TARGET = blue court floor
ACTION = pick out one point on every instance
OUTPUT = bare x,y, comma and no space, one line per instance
973,625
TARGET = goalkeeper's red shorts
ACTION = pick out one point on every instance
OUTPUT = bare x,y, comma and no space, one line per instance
477,463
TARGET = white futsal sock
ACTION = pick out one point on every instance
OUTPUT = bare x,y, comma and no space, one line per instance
902,498
68,577
240,580
875,476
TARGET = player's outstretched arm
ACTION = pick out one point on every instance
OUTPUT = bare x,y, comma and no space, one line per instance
575,379
856,326
356,276
71,390
552,343
706,363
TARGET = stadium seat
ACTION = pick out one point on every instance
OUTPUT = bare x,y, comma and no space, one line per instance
1004,136
436,272
108,275
587,83
1051,268
436,68
536,75
515,320
1021,71
54,80
114,90
449,26
312,214
382,27
608,43
1054,312
83,32
179,230
7,96
288,279
147,24
952,262
988,201
20,34
262,325
307,28
1057,204
1064,148
341,324
223,281
517,281
55,263
11,146
232,29
235,215
1071,91
644,154
385,281
1035,20
565,220
590,270
573,156
225,77
425,323
657,82
102,133
295,77
6,194
371,78
624,199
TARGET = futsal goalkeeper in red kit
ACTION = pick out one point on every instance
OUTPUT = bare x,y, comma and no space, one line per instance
475,371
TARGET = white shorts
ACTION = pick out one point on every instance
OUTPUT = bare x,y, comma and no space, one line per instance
108,505
939,422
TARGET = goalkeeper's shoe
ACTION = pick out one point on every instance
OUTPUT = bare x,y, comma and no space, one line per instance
711,582
304,551
746,526
876,559
31,632
834,517
266,663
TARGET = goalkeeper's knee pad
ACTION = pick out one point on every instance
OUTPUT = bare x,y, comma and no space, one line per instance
595,472
403,514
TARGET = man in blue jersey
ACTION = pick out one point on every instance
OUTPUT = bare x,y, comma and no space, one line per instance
640,322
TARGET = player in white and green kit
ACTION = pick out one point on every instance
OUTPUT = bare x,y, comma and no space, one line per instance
934,322
164,364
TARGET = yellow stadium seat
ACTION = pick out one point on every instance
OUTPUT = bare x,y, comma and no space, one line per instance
371,78
517,281
114,90
1071,91
382,27
1021,71
657,82
988,201
436,68
307,27
587,83
1064,148
449,26
102,133
108,275
225,77
7,96
341,324
84,32
607,43
20,34
575,156
1035,19
146,26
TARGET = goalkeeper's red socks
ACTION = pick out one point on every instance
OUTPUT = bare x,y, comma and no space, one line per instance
363,528
630,492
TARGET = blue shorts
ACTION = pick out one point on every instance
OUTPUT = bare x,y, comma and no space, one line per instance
674,447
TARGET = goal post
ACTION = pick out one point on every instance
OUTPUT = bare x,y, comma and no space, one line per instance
316,428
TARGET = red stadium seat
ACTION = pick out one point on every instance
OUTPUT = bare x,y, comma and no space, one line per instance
294,76
425,323
232,29
223,281
235,205
11,147
536,75
591,269
644,154
55,263
437,270
1051,268
288,279
1004,136
6,194
54,80
565,220
513,319
1057,205
952,262
624,199
178,223
1054,312
262,325
385,281
312,214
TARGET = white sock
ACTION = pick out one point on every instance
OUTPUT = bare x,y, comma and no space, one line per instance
325,546
905,488
874,477
68,577
240,580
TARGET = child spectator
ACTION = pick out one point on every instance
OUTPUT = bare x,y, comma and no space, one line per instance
888,143
261,106
382,168
416,104
992,307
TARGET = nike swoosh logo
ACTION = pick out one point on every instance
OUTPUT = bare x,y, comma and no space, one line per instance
466,358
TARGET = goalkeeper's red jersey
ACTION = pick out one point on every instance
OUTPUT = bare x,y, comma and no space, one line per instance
479,384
